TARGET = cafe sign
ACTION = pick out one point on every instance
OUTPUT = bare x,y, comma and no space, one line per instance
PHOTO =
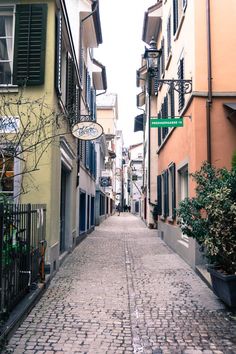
87,130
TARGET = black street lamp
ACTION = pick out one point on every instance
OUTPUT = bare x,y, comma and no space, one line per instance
151,55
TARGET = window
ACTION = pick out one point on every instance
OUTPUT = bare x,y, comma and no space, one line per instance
6,45
179,7
7,175
22,44
183,182
166,193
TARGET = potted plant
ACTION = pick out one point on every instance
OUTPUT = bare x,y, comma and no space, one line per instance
210,218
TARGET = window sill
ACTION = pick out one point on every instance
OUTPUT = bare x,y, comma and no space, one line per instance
179,28
9,89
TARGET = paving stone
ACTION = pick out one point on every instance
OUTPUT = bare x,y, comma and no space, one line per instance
122,290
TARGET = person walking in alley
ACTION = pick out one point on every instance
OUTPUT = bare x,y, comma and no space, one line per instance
118,209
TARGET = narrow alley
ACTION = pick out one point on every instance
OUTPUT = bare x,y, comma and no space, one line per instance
122,290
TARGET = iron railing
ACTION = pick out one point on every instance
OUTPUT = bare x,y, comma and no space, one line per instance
22,244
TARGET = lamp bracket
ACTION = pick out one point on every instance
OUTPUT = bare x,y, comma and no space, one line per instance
181,86
85,117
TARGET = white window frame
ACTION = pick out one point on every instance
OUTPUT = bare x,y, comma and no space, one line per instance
13,40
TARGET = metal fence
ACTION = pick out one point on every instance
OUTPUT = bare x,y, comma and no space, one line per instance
22,245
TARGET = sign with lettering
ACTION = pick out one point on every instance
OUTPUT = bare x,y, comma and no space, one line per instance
166,122
87,130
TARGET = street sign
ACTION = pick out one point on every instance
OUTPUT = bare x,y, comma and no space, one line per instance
166,122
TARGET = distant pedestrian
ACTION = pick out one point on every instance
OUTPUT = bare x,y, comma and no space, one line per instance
118,209
129,208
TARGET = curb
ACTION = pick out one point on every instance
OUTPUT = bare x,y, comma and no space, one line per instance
20,312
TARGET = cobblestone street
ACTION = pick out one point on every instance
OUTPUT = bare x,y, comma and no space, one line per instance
122,290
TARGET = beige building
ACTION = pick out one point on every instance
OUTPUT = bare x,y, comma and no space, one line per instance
107,116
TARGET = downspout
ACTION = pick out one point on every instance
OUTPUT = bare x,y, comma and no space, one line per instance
149,144
209,96
143,166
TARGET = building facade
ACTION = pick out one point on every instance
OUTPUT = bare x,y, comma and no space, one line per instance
193,38
49,81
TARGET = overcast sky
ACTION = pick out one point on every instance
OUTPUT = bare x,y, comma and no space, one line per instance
120,52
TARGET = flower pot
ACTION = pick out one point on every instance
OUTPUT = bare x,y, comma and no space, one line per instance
224,286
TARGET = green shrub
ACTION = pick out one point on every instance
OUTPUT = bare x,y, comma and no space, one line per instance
210,217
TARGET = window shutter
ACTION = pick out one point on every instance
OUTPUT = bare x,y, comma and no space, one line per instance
159,195
77,104
58,53
93,104
166,194
163,56
30,43
181,77
175,15
172,102
70,89
87,153
169,36
165,113
159,131
173,189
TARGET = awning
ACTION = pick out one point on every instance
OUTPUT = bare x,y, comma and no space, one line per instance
152,22
140,99
99,76
138,123
92,32
232,109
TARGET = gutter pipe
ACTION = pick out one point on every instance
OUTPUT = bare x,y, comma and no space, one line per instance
209,97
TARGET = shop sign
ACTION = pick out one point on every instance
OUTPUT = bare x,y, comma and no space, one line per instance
87,130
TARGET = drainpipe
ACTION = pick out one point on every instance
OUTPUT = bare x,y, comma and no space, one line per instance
149,144
209,96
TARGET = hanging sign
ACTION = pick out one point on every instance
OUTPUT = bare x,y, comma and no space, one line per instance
87,130
166,122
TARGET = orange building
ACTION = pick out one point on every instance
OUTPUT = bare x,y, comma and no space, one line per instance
196,42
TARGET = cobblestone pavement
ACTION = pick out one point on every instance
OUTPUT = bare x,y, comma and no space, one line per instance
122,290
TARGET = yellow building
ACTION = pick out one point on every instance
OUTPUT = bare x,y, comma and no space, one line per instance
44,66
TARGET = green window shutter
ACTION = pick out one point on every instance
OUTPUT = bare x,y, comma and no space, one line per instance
159,195
30,42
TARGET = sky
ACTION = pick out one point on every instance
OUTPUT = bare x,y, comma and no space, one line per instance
120,52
